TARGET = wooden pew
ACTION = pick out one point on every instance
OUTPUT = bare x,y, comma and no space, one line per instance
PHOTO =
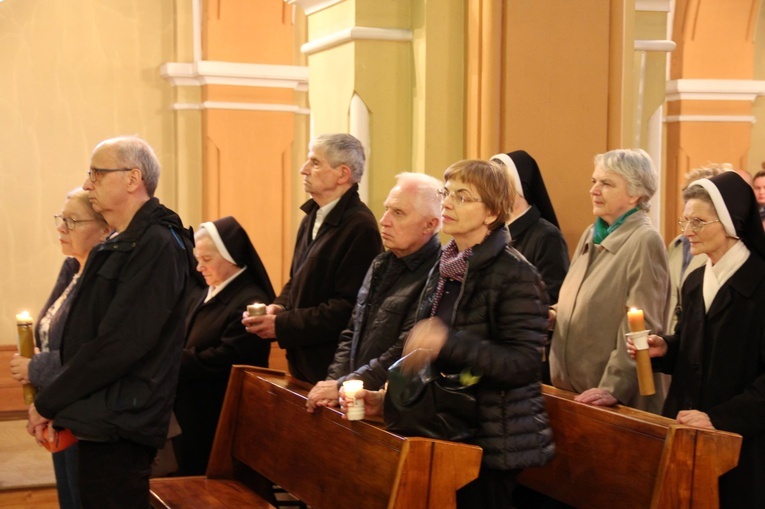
625,458
265,436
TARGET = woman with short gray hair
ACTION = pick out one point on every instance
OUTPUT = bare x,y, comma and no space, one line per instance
620,262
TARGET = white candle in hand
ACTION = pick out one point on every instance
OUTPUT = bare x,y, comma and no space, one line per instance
355,406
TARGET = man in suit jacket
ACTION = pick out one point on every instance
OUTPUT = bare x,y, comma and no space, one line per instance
337,240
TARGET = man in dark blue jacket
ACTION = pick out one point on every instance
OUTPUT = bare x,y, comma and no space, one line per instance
124,333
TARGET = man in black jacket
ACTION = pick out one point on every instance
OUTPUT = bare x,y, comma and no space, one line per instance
124,333
337,240
387,300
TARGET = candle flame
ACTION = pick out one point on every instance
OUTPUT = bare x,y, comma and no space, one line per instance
24,317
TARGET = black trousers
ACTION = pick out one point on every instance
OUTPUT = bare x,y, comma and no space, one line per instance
493,489
115,475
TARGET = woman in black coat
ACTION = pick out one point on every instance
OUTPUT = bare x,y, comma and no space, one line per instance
717,354
215,337
484,312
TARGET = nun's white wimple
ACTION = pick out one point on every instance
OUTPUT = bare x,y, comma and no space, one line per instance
510,165
215,236
719,203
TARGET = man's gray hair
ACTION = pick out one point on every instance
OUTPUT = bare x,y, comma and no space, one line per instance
344,149
427,202
133,152
634,166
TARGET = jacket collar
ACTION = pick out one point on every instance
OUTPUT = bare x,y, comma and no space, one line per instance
618,237
348,199
426,252
491,246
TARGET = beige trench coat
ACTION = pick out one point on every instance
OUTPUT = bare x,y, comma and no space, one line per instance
588,345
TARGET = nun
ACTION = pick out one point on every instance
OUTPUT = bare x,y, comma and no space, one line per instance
215,336
716,355
533,226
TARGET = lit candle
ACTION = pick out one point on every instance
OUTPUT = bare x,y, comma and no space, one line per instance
639,336
26,344
355,406
635,317
256,309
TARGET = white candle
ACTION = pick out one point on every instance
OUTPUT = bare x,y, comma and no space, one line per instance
355,406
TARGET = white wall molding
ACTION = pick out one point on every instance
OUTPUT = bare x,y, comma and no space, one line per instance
311,6
654,45
222,105
710,118
653,5
232,73
714,90
355,34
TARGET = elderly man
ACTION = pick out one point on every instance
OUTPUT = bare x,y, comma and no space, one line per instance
387,300
124,332
337,240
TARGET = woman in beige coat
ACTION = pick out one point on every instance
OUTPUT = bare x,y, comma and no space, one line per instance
620,262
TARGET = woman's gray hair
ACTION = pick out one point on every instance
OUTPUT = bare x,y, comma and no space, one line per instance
344,149
133,152
635,166
427,202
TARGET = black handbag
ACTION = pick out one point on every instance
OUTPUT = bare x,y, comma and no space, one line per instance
430,404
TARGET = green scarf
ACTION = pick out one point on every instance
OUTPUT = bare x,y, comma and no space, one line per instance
602,230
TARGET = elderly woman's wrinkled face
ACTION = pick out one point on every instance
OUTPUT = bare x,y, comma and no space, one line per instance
610,198
711,238
214,268
87,231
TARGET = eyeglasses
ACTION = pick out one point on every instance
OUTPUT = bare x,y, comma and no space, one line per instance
95,173
459,198
695,223
70,223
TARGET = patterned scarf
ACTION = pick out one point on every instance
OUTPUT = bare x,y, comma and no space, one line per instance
453,266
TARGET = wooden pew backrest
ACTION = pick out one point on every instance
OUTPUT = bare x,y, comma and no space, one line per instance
626,458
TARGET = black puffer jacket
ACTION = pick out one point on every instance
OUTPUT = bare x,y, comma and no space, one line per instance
498,329
122,342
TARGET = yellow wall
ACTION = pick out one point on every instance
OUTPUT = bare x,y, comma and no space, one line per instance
73,73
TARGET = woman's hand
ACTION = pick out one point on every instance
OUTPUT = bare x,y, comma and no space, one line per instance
596,397
694,418
20,368
657,347
424,341
373,402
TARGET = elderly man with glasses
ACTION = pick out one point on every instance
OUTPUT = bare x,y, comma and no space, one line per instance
124,333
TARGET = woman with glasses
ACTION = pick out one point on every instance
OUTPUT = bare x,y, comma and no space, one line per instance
620,262
681,261
716,355
80,229
483,310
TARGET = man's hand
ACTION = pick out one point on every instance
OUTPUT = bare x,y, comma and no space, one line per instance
264,325
324,393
